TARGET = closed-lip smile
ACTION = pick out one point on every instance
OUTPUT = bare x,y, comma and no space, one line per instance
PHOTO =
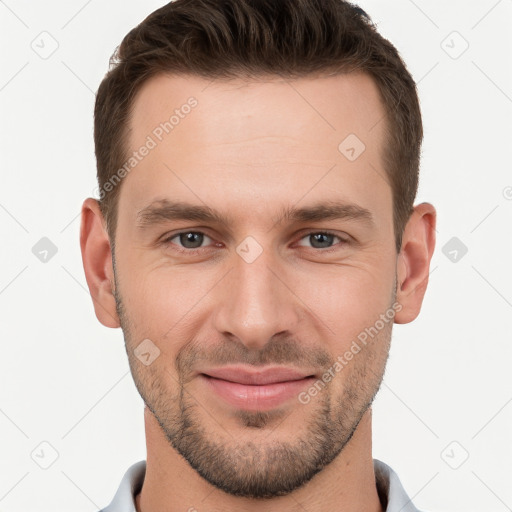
254,389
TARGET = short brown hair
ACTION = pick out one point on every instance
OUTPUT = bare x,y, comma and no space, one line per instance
218,39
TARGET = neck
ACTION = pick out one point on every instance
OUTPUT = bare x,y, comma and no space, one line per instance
345,485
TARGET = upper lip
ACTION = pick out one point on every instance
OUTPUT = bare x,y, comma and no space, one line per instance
244,375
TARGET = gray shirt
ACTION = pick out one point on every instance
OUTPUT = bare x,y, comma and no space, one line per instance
388,485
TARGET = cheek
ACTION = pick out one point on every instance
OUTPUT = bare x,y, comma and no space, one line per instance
159,300
347,300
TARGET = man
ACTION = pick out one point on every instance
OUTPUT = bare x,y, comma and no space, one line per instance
256,239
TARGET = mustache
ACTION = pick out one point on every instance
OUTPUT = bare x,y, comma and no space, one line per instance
280,350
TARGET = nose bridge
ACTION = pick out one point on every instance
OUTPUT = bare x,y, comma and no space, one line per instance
255,304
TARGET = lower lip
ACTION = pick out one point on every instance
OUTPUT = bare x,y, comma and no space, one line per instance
256,397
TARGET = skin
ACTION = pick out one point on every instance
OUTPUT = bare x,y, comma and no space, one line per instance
248,150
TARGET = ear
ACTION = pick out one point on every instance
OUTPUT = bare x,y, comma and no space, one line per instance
418,242
97,261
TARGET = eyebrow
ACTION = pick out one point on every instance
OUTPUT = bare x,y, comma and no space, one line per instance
165,210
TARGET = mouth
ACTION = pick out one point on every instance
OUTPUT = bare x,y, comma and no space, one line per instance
256,390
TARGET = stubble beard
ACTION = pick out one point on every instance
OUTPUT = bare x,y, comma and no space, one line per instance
254,469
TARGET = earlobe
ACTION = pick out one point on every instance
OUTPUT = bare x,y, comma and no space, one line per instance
413,264
97,261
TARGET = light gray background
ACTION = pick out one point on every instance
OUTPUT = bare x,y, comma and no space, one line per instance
65,379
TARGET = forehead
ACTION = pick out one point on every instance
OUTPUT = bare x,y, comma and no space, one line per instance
226,111
261,138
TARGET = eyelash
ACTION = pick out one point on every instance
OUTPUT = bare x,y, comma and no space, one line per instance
167,241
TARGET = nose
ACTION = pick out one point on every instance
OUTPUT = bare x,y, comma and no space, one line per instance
256,302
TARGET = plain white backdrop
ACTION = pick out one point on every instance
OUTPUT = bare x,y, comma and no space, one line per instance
443,418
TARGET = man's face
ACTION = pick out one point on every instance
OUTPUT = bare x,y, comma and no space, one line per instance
262,288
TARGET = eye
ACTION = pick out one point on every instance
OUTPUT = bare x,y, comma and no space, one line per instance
322,239
188,240
191,241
